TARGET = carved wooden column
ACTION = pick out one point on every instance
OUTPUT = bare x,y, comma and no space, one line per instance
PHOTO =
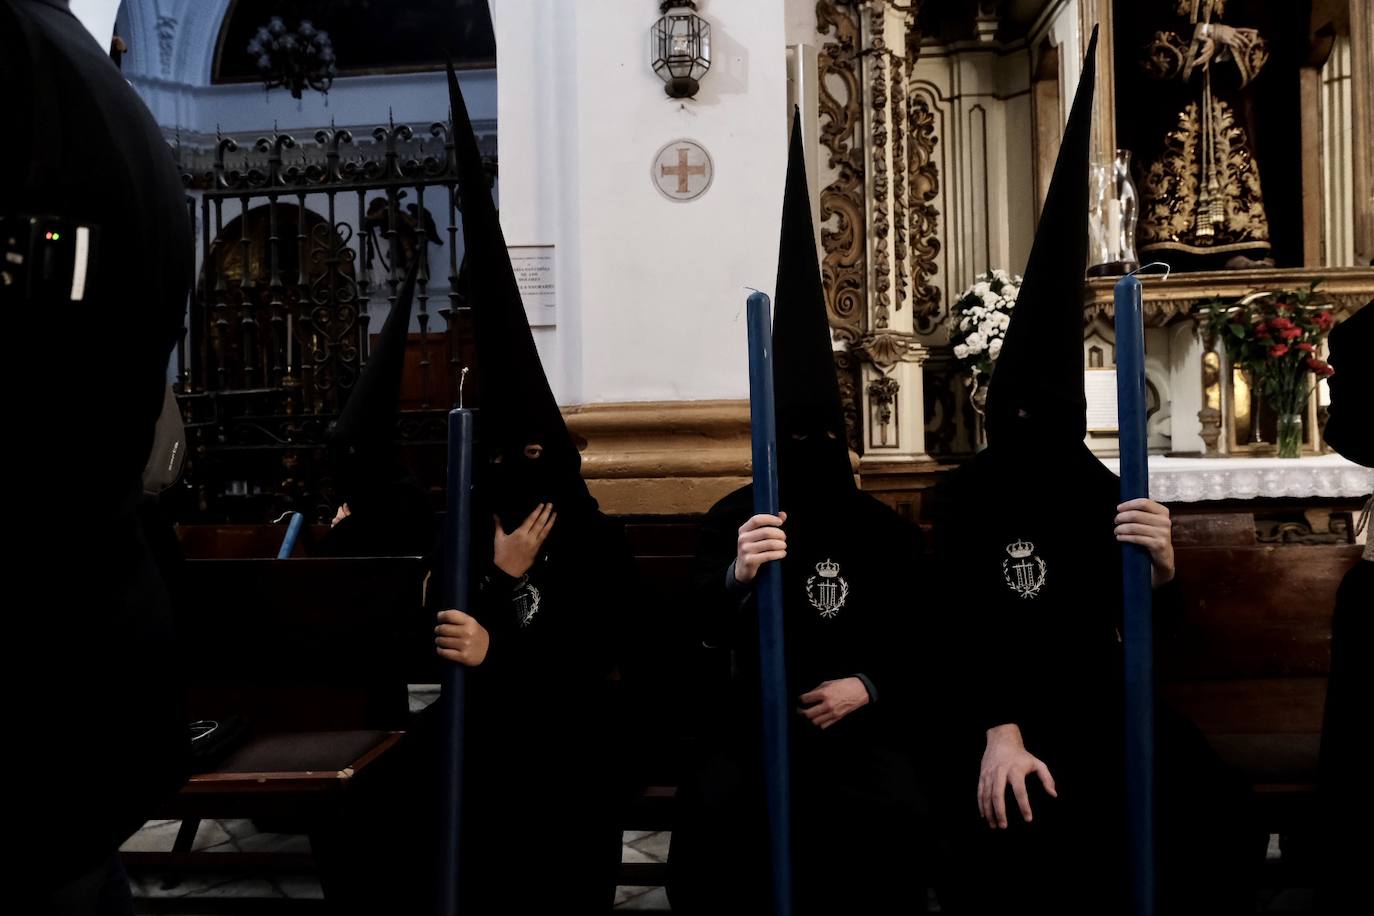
894,415
875,241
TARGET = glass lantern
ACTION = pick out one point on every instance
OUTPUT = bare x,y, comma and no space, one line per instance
680,48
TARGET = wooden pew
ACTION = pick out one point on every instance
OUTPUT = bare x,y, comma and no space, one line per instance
1250,661
311,653
240,542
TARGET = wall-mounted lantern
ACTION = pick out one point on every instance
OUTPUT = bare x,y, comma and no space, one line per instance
680,48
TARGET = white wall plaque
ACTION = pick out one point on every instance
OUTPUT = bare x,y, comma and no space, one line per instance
535,274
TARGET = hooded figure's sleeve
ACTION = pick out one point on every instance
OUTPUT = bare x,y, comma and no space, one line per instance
718,597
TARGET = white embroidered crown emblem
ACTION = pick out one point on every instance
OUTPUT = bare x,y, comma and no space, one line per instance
1024,572
827,590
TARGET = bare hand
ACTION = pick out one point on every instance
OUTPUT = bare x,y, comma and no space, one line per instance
833,700
761,540
1007,762
1146,522
516,552
342,514
459,638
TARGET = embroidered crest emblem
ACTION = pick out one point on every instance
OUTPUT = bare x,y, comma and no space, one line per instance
827,589
526,600
1023,570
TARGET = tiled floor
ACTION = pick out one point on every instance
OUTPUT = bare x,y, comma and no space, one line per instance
231,836
201,891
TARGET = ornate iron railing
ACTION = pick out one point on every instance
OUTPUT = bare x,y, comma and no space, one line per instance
298,242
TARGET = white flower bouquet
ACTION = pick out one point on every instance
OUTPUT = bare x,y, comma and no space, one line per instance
978,323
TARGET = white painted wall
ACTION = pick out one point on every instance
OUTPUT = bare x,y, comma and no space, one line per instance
650,292
801,22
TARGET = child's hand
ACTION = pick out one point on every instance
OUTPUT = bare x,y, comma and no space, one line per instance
461,639
516,552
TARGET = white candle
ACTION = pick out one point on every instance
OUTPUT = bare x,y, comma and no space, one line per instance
290,321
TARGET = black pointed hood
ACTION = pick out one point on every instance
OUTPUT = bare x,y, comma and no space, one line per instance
1350,416
806,391
362,442
517,405
1037,385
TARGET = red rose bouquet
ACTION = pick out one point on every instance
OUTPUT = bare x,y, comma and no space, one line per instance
1275,336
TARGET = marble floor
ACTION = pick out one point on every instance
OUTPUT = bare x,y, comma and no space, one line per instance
238,893
196,894
214,891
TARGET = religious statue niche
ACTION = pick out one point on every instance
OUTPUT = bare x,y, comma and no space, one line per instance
1207,108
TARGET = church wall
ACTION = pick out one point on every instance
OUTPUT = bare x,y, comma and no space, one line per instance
800,22
648,354
650,291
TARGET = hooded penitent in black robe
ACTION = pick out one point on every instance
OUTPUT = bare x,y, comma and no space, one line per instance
540,731
101,735
1032,571
1341,780
856,807
389,511
542,790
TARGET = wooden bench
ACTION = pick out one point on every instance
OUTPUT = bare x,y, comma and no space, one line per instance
312,655
241,542
302,597
1250,661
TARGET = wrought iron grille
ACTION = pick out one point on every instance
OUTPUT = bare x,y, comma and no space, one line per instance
297,244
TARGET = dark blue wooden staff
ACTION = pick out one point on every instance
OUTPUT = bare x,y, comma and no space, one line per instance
458,552
293,533
1137,633
768,591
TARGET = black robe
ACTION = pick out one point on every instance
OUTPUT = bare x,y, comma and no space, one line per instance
541,726
544,789
857,808
1342,793
107,737
1035,588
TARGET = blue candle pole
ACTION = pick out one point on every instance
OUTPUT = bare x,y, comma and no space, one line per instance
293,532
1136,599
458,552
768,591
